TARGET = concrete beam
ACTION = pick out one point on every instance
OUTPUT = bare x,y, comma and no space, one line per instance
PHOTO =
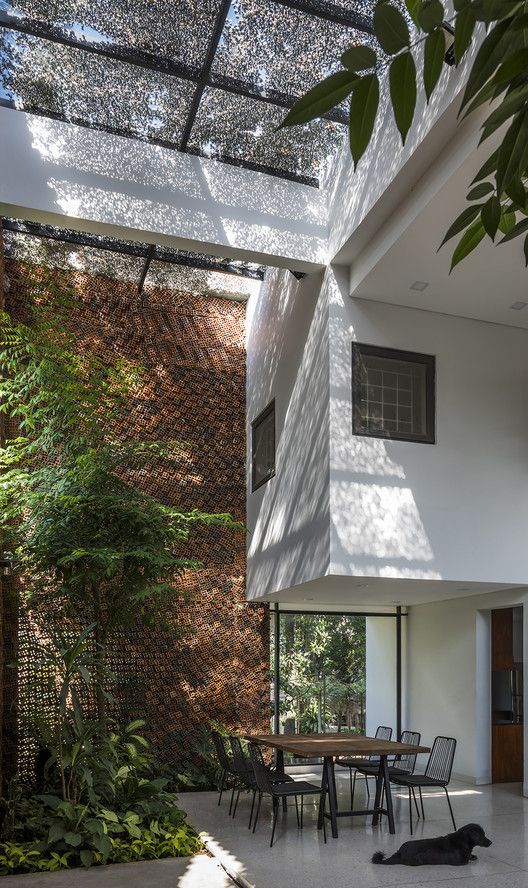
61,174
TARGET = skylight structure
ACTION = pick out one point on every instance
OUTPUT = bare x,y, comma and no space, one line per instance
208,77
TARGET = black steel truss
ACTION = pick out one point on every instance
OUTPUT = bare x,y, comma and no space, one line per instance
149,252
203,76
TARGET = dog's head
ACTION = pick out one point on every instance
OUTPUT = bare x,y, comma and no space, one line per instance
473,834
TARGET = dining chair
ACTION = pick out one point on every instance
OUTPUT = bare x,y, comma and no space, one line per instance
437,774
246,774
398,764
227,767
279,791
382,733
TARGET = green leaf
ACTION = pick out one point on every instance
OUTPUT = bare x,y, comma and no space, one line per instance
467,243
462,221
87,857
480,191
490,215
433,61
515,230
390,28
56,832
363,109
321,98
464,27
507,223
487,168
511,68
73,839
526,250
517,193
358,58
513,152
431,16
413,7
488,57
402,78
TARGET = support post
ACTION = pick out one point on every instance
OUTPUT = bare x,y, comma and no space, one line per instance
398,672
276,670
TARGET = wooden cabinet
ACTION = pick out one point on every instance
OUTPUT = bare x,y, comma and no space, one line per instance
502,639
506,753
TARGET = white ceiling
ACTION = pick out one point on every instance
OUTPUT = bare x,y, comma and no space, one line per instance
483,286
370,593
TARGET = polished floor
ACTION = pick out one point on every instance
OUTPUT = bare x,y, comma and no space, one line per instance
299,859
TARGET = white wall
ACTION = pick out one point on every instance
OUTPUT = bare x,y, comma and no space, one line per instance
456,510
448,676
67,175
287,348
381,673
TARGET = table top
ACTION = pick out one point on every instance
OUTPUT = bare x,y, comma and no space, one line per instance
326,745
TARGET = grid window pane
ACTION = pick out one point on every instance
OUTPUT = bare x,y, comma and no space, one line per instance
243,129
43,76
176,29
263,446
401,402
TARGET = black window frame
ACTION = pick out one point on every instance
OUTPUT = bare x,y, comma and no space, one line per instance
359,350
256,422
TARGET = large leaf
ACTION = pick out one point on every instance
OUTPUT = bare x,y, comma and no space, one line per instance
510,105
513,152
490,215
431,15
358,58
515,230
433,60
467,243
413,8
487,168
317,101
390,28
462,221
464,27
402,78
480,191
489,56
363,108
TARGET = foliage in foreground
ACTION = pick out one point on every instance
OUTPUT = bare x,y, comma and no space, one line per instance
498,197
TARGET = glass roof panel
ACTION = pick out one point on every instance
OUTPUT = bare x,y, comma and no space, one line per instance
49,77
177,29
58,254
237,128
203,282
275,47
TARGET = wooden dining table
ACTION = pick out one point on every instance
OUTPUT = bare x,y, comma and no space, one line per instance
346,746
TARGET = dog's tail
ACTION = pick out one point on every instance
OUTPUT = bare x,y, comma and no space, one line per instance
379,857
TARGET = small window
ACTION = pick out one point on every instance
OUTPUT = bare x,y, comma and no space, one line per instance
393,394
263,446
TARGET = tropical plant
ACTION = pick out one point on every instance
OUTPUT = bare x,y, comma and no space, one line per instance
93,545
498,198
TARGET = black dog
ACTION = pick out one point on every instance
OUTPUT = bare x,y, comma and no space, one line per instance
454,849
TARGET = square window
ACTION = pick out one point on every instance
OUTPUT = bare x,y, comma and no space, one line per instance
393,394
263,447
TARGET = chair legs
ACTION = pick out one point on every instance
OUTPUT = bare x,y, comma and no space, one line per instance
257,812
421,802
222,783
352,789
232,797
450,808
275,812
410,810
252,808
236,803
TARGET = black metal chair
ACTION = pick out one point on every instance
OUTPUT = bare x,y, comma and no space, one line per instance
246,774
398,765
437,774
226,765
382,733
278,791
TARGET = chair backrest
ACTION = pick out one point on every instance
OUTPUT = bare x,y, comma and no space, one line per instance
382,733
441,759
407,761
220,750
241,763
259,768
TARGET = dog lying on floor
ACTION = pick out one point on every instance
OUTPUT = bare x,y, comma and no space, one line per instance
455,849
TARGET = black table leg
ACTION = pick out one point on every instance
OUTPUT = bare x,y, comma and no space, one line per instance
324,787
388,795
332,794
377,799
279,760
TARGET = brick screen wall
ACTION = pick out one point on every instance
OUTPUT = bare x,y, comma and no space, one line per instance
217,665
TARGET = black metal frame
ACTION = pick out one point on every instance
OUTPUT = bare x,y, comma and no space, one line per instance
202,76
428,361
150,252
270,409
